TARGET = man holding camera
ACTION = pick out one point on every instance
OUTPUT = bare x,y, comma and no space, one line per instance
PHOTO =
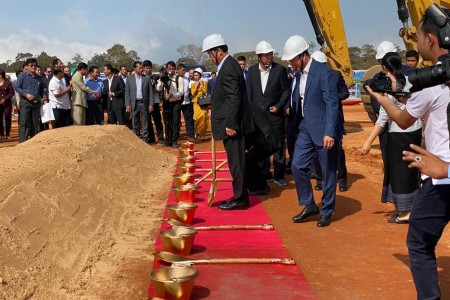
430,213
171,88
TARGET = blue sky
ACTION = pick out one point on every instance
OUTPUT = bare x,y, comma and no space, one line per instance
156,28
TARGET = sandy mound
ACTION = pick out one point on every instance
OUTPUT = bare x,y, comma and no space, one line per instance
76,205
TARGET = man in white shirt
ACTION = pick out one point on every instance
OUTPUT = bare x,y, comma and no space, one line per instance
58,94
430,213
187,106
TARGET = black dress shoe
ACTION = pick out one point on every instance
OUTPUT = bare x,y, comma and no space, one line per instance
343,187
234,205
318,187
324,221
226,201
309,210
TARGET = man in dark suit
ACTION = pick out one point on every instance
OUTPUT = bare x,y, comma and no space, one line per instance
114,96
139,99
212,83
228,106
315,98
342,167
268,87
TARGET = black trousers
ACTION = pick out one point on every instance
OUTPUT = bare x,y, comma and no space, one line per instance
235,148
256,179
429,216
116,116
94,112
172,118
279,158
63,117
156,116
188,114
29,123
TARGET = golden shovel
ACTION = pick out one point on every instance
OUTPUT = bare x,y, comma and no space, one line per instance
180,260
214,183
176,223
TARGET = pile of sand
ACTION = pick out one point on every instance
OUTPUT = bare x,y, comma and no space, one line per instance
77,206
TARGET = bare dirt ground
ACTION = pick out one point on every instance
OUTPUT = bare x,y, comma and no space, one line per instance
87,255
78,208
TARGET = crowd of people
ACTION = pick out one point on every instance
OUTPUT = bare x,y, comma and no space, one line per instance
268,110
129,98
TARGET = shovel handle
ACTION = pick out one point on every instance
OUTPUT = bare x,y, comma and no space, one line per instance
236,227
210,172
284,261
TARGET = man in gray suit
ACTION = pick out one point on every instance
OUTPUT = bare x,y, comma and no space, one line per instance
139,99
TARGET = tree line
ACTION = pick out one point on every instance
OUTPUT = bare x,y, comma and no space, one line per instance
361,58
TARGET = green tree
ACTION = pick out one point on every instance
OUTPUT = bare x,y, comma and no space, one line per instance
210,67
117,55
77,59
98,60
193,53
186,61
45,60
362,58
250,57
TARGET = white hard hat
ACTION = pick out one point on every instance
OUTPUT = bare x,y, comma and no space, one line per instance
264,47
294,46
384,48
213,41
319,56
198,70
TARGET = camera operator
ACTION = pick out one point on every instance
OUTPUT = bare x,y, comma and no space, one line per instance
400,182
429,214
171,88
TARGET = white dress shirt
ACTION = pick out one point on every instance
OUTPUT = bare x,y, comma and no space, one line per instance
264,77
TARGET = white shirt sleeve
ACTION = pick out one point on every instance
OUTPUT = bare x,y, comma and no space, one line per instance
420,102
54,87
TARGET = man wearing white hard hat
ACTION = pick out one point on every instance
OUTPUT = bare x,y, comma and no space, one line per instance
227,116
268,87
314,109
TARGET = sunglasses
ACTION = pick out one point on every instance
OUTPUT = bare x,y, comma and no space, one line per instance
32,66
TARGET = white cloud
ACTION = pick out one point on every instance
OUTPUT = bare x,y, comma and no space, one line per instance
26,41
76,20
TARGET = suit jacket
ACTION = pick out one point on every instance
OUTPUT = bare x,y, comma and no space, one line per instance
131,90
79,90
277,92
228,101
118,88
343,94
321,104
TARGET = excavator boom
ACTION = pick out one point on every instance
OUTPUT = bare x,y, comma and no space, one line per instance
326,18
414,10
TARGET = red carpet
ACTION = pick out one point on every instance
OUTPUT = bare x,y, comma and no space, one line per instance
237,281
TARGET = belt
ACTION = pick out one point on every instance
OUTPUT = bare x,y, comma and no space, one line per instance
140,100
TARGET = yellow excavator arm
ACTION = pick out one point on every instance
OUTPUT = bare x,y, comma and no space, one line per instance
413,9
326,18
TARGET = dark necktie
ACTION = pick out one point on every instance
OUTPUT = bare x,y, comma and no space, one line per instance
296,93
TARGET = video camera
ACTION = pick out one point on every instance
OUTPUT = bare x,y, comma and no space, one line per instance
382,84
164,76
438,74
